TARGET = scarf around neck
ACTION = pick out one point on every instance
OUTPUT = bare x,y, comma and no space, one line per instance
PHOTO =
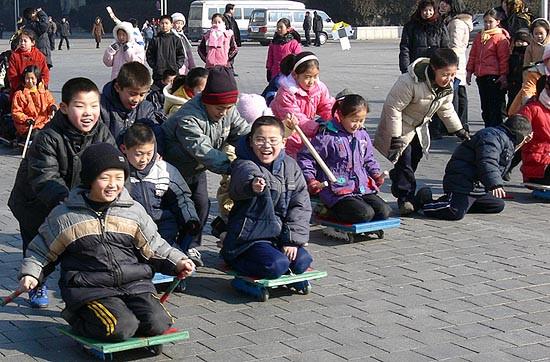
215,39
487,34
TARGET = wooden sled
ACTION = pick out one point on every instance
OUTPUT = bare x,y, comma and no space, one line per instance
259,288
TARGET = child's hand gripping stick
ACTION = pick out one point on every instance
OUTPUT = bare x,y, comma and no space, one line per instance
314,153
10,297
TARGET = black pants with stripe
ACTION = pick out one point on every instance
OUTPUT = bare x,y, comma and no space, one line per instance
455,206
116,319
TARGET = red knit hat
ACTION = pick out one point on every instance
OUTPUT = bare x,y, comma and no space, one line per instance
221,87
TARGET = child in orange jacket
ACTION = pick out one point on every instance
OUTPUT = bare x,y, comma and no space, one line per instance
33,104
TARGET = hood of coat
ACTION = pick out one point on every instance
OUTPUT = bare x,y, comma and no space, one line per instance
287,38
61,122
467,19
290,84
127,28
419,70
178,97
244,151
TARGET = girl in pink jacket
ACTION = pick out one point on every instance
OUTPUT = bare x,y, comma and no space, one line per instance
217,46
123,50
285,41
302,94
489,62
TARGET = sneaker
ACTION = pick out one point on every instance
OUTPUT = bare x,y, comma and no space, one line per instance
406,208
422,197
38,297
195,256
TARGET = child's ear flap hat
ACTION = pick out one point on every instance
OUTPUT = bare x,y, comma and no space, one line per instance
99,157
127,27
221,87
178,16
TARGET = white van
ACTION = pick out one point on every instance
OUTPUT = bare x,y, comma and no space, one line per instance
201,11
263,23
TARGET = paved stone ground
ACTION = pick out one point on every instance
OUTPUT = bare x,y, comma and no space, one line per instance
474,290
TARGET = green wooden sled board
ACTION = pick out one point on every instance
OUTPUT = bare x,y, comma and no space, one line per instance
132,343
283,280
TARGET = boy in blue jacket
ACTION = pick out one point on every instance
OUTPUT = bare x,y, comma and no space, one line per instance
473,180
269,223
158,186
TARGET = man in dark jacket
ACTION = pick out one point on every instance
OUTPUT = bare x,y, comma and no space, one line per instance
52,30
231,24
166,50
37,21
317,28
307,28
64,30
473,177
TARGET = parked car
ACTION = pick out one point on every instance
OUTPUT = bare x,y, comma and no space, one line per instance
477,19
263,23
201,11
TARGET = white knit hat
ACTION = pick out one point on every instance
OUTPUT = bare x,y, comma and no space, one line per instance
178,16
252,106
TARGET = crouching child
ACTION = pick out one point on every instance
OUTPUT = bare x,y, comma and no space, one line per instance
473,180
105,244
159,187
269,223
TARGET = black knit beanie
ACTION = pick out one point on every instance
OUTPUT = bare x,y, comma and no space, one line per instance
99,157
221,87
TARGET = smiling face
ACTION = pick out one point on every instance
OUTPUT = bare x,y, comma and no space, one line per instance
353,121
267,143
83,110
445,75
427,12
31,82
107,186
218,111
121,36
25,43
139,156
490,23
307,79
539,34
131,97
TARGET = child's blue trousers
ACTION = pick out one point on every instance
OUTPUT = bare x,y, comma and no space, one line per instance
263,260
457,205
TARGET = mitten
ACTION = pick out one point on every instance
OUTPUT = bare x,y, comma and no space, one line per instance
314,186
462,134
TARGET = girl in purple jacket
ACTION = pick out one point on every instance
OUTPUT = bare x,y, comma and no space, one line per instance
347,150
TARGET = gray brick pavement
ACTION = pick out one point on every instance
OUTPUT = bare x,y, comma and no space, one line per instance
474,290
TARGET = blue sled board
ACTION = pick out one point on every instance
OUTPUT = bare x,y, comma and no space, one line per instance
539,191
105,350
259,287
160,278
363,227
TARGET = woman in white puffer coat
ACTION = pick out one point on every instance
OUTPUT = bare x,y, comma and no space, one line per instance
459,25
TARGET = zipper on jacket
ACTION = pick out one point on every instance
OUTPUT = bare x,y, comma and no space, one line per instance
110,254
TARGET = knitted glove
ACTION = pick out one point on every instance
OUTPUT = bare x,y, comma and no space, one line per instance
395,147
378,179
462,134
314,186
115,46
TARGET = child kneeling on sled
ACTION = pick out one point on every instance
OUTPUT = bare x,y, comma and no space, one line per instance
105,243
269,223
473,181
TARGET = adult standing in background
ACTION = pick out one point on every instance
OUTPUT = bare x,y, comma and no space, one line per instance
98,31
231,24
459,25
52,29
516,16
307,28
37,20
317,28
148,33
64,30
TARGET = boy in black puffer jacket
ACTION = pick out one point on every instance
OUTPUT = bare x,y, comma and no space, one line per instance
473,177
52,165
166,50
104,243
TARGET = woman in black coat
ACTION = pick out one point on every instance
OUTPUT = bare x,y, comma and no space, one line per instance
422,35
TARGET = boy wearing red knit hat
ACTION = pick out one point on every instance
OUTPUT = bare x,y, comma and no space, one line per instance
195,135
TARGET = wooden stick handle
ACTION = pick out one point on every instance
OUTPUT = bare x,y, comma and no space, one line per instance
27,142
315,155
